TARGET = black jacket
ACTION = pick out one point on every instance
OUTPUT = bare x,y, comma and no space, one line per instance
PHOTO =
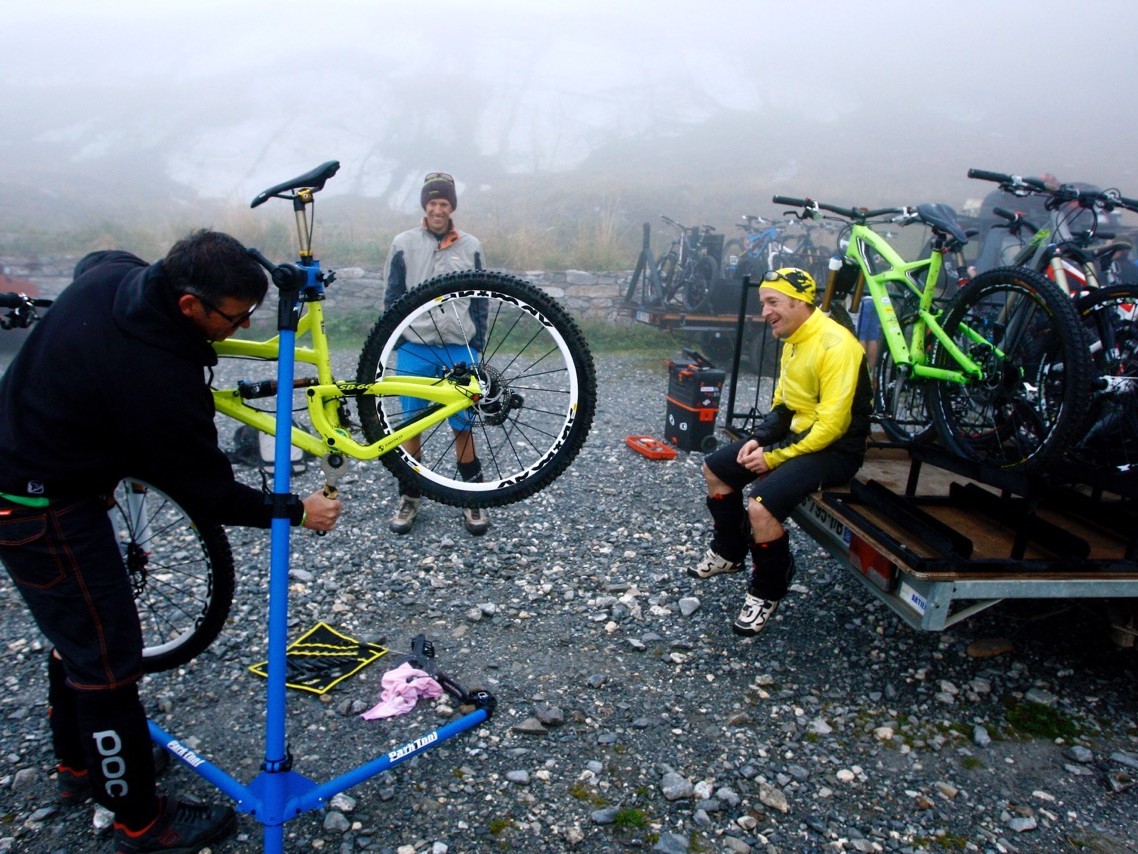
111,384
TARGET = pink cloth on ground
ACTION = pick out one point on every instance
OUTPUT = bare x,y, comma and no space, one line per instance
402,688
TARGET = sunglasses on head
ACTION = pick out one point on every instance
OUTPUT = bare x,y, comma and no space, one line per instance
438,176
794,278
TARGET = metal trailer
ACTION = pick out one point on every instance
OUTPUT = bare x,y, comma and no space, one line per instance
938,539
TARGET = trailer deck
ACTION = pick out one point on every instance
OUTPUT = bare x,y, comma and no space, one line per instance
938,539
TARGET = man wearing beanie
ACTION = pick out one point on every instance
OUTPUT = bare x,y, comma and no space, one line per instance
433,248
813,437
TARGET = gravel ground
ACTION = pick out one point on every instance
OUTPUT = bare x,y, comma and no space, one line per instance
629,716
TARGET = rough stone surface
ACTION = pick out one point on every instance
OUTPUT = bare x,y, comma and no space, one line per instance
623,725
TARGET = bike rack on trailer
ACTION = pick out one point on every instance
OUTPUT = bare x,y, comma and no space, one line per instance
279,793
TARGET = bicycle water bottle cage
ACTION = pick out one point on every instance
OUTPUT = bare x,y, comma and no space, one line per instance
942,219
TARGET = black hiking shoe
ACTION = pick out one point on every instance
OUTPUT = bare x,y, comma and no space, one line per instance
182,827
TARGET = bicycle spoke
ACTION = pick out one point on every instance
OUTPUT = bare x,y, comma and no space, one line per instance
181,574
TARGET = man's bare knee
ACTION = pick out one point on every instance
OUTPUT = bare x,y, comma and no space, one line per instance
715,486
764,526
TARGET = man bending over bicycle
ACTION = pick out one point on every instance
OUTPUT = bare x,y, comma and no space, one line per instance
813,437
433,248
110,385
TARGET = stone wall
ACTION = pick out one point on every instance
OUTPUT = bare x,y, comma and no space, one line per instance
587,296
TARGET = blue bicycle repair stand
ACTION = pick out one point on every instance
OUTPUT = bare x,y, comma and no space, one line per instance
278,793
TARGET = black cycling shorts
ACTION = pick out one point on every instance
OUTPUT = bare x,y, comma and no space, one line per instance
786,485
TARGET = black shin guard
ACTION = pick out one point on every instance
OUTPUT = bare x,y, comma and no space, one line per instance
63,717
730,519
116,741
471,472
773,567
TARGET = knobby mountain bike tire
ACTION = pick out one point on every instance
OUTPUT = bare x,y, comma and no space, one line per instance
1030,404
1109,439
181,574
699,281
666,274
538,380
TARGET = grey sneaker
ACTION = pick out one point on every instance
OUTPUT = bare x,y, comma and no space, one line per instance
755,615
181,826
475,520
405,514
714,564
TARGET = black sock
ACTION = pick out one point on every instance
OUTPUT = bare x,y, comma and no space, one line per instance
471,472
773,567
62,716
116,740
730,518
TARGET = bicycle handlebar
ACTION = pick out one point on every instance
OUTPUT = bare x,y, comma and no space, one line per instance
22,312
855,214
1015,218
16,300
1013,183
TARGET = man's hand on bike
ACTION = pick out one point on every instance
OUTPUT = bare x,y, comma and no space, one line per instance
320,511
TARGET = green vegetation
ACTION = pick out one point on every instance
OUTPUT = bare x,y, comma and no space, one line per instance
631,818
1037,720
498,826
631,338
581,792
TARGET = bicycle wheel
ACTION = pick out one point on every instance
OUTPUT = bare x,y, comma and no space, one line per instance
539,389
1025,335
899,401
1110,324
665,274
732,251
181,574
699,279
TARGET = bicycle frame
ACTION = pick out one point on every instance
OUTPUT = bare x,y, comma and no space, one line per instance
326,397
864,244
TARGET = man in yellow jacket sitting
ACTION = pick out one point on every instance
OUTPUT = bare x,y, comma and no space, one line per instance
813,437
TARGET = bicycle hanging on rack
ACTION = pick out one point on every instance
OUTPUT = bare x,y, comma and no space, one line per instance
1065,250
1005,375
686,271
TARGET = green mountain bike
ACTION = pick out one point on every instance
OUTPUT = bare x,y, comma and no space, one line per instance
1003,371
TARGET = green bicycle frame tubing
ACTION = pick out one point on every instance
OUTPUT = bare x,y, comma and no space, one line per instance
911,353
326,398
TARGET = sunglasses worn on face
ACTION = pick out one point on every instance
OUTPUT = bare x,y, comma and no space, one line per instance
236,321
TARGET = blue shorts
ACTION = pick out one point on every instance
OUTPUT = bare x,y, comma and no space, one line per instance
432,360
868,323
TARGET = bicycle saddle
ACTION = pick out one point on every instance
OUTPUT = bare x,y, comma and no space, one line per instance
313,180
942,218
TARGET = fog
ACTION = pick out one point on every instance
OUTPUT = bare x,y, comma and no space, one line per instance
120,109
